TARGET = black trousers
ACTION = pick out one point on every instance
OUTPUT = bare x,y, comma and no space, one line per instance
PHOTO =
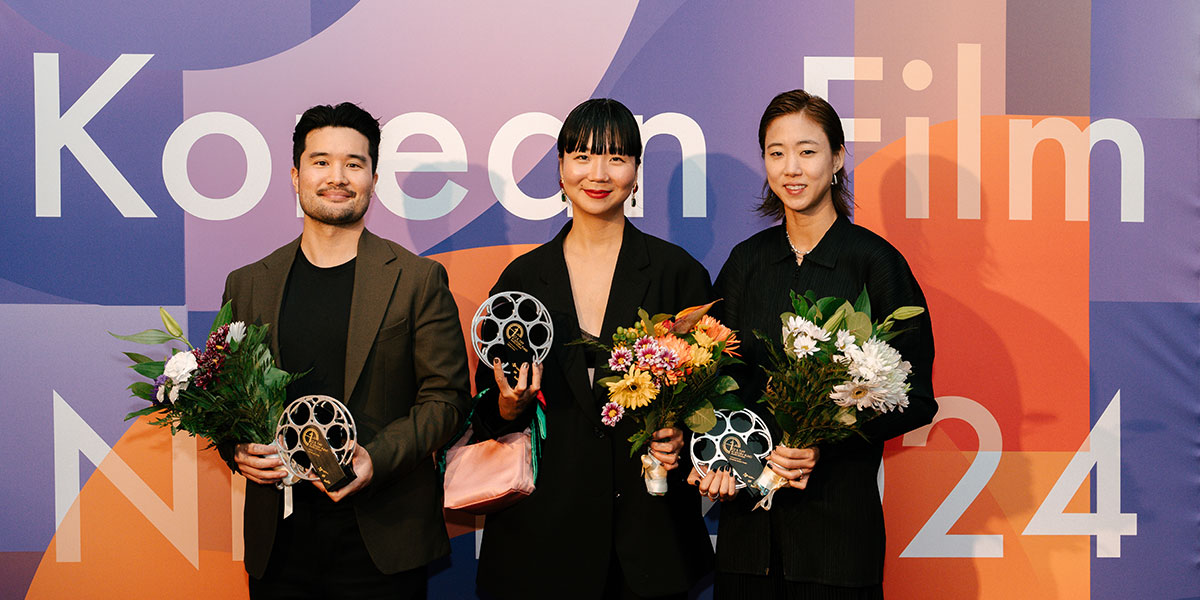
319,553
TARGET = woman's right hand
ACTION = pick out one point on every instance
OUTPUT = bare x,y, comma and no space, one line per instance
254,462
515,400
717,485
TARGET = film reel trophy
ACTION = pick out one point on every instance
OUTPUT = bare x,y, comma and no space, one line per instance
514,327
316,439
740,442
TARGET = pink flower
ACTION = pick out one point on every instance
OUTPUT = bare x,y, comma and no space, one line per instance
611,413
621,359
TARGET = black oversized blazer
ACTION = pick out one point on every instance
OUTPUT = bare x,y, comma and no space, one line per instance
590,497
407,384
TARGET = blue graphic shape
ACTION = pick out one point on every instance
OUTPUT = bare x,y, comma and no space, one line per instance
183,34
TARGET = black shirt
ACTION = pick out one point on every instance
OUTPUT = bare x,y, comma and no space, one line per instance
831,532
314,323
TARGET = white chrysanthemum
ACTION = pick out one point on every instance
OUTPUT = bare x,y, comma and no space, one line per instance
237,332
873,361
845,339
803,346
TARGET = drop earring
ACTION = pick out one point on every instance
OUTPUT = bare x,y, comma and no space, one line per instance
562,191
834,179
633,197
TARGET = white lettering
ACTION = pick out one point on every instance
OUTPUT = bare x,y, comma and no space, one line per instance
258,166
452,158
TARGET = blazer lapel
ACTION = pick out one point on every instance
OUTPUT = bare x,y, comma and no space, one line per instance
375,274
630,282
268,299
555,293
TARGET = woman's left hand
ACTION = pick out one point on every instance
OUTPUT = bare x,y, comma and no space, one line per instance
665,446
794,464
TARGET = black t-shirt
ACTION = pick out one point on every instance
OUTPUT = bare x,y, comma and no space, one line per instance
314,321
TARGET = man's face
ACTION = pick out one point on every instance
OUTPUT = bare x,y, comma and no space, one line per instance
334,180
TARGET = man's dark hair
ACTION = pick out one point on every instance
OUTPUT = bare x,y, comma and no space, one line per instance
346,114
601,126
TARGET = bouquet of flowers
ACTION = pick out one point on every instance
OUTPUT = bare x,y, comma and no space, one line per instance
668,371
227,391
836,371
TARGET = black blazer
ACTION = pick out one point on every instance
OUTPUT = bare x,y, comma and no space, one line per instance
406,381
591,502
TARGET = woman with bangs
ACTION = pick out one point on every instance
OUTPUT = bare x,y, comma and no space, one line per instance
590,529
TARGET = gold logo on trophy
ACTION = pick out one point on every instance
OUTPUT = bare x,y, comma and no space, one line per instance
311,436
731,446
514,334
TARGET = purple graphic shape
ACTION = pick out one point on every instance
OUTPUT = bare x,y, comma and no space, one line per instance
658,77
91,253
1144,59
1156,260
476,88
1148,351
182,34
65,350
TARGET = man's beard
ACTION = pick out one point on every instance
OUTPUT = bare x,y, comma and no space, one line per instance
336,215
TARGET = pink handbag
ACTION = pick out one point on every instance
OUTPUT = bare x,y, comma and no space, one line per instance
486,476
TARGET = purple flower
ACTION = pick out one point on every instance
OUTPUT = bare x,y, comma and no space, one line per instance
157,392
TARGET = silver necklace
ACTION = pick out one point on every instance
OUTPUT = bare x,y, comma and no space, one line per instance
799,254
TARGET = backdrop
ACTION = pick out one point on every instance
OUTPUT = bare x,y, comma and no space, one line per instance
1036,162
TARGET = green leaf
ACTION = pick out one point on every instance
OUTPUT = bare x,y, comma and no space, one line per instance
150,337
138,358
142,390
702,419
727,402
838,317
863,304
169,323
224,316
725,384
825,307
607,380
638,440
785,420
149,369
145,411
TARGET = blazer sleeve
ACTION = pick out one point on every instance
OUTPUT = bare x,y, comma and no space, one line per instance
442,394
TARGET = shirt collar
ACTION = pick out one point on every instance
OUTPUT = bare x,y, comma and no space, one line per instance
825,253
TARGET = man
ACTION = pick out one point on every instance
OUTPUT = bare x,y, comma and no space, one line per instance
376,327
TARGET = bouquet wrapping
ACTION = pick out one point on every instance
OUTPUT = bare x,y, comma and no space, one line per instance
668,371
835,371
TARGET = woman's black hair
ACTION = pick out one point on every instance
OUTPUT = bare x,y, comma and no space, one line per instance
601,126
817,109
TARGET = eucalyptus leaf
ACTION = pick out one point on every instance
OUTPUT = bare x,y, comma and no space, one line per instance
859,324
702,419
149,337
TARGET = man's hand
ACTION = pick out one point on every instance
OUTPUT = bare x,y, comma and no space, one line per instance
253,462
364,469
